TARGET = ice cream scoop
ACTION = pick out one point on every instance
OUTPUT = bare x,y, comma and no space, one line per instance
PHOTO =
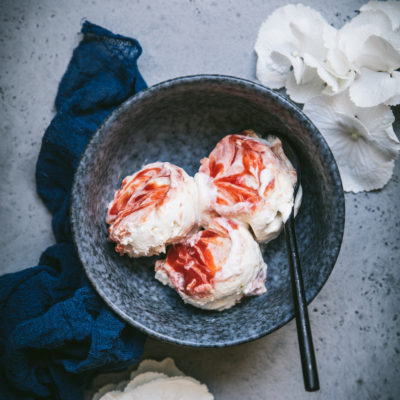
156,206
214,268
248,179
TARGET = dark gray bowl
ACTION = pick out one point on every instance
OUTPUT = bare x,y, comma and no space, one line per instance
180,121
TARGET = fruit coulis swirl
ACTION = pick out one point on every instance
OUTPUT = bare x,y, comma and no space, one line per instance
148,188
196,262
235,166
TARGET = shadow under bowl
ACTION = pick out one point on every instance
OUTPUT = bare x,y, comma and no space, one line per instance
181,121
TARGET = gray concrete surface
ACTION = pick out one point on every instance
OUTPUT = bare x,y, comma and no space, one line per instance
354,318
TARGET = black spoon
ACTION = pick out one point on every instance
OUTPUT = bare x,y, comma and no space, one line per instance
307,354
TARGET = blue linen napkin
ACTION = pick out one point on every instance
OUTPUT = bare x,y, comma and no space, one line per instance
55,331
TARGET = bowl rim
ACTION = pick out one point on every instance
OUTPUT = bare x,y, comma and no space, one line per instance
143,95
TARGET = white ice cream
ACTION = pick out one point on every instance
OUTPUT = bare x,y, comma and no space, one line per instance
249,179
226,248
156,206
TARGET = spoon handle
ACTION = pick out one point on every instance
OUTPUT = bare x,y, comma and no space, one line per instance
308,362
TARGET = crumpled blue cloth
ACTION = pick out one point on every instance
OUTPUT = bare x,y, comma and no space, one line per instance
55,331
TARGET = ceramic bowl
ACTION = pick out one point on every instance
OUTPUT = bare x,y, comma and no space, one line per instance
181,121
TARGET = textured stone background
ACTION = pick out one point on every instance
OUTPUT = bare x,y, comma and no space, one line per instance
354,318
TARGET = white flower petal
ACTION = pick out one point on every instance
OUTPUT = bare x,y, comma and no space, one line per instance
310,86
286,23
102,391
298,69
143,378
354,35
366,172
371,88
394,100
392,136
272,70
312,32
182,388
365,159
314,50
166,366
283,39
334,83
340,103
378,121
342,85
337,62
322,72
390,8
379,55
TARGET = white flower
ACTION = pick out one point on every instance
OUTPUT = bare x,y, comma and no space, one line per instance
347,79
156,380
372,88
310,86
372,48
362,139
354,40
390,8
294,48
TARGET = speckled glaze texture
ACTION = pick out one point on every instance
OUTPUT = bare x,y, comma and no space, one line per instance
181,121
